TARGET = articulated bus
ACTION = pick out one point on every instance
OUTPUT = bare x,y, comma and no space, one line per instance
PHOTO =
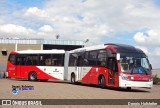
114,65
36,65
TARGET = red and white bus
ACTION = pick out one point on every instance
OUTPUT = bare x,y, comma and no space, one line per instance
114,65
36,64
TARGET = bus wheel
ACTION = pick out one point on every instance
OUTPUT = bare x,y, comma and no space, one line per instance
73,80
102,82
32,76
129,88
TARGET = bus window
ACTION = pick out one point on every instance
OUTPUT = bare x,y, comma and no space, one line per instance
83,59
112,64
45,60
102,57
92,58
73,60
12,59
20,60
31,59
57,60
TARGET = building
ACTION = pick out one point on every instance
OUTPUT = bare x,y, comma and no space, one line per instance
9,45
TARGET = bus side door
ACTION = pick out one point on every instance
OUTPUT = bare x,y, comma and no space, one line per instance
112,72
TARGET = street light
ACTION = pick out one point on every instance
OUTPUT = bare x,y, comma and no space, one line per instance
57,36
87,40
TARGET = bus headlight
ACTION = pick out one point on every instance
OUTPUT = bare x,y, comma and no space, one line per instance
124,77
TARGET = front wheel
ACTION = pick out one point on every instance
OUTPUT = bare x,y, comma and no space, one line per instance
32,76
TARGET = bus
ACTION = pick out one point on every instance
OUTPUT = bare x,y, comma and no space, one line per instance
36,65
113,65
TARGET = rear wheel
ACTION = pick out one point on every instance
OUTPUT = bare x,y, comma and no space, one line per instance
73,80
32,76
102,82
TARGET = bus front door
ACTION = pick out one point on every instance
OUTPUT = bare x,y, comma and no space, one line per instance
112,72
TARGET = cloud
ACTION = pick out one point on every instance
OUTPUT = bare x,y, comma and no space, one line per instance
157,51
151,37
36,12
97,19
11,30
46,28
15,30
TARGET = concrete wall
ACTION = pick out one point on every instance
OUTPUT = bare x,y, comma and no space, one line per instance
28,47
4,58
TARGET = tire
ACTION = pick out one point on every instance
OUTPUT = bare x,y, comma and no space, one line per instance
32,76
102,82
73,79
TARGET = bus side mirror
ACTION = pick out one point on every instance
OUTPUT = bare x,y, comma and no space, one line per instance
150,66
118,56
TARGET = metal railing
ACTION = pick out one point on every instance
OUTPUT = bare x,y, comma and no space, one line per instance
42,41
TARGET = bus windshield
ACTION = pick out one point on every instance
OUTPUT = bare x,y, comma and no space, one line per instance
134,63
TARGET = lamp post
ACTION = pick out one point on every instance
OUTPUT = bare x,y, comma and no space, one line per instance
87,40
57,36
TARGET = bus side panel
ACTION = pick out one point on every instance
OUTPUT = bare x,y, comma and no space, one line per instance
56,72
11,69
93,74
85,74
75,70
103,71
40,74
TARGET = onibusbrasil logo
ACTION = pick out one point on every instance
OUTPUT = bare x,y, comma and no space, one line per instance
14,91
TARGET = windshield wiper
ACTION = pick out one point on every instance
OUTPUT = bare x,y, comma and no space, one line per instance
145,70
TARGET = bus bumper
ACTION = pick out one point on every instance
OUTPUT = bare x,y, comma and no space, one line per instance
128,83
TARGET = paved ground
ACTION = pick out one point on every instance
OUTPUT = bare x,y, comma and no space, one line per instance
62,90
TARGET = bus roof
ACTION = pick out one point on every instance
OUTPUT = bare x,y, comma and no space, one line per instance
40,52
95,47
118,47
125,48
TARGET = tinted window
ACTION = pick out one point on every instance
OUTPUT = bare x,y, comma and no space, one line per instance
73,60
31,60
12,59
102,57
81,60
92,58
20,60
57,60
45,60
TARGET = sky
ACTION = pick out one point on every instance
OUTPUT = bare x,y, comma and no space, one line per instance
132,22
